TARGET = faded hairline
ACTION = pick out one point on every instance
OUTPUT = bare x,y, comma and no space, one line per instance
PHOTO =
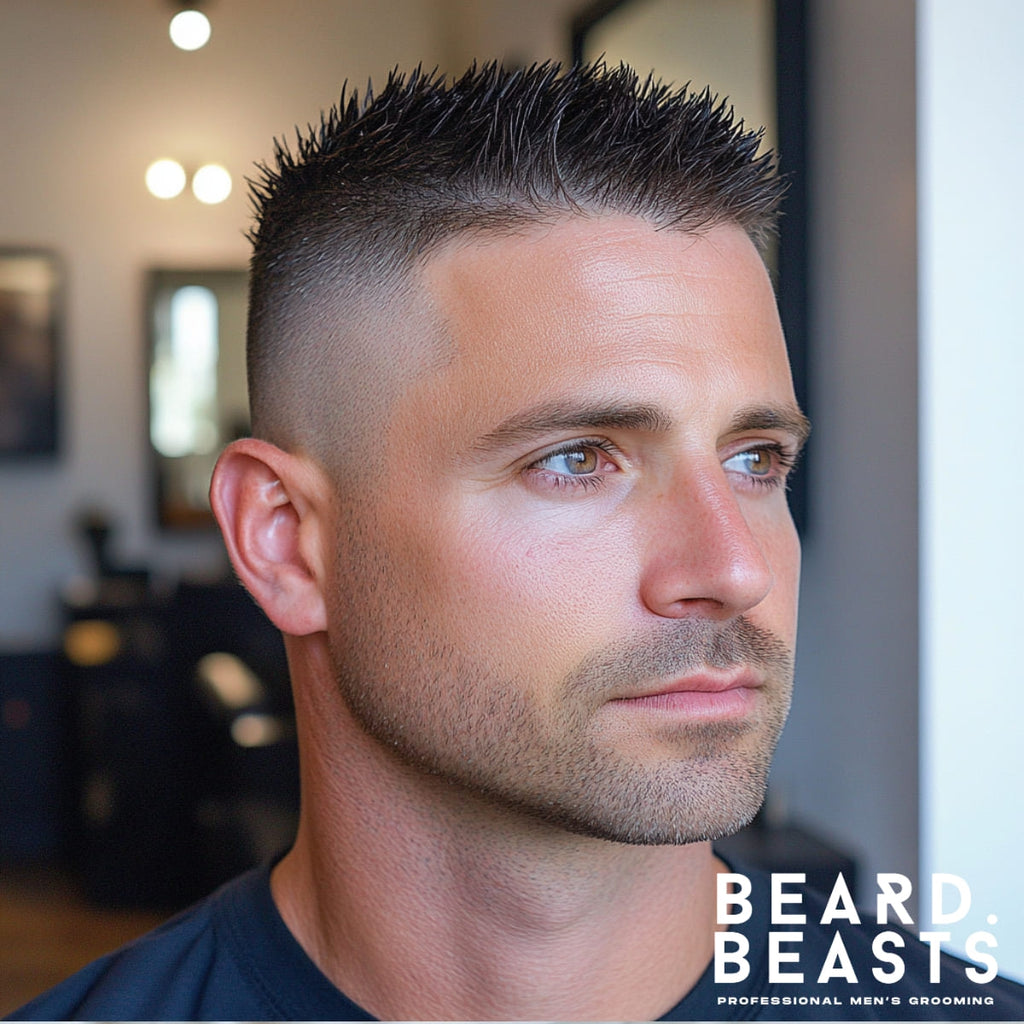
347,323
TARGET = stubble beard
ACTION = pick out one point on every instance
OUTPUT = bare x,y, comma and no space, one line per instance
452,715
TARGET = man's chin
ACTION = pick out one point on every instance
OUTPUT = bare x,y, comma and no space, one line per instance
654,832
712,801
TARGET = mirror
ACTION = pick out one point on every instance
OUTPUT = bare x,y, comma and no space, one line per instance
755,53
726,44
198,399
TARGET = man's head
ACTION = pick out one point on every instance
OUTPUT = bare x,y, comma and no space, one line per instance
530,508
385,180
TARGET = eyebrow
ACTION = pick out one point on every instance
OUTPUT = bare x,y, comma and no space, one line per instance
557,416
551,417
787,418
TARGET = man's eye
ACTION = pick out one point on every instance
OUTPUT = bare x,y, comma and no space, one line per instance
766,466
571,462
756,462
580,464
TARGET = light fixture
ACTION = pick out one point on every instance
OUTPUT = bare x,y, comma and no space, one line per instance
190,29
165,178
211,184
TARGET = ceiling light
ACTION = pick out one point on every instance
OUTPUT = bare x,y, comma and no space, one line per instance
190,30
211,184
165,178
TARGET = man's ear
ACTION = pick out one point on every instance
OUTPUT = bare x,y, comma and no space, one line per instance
268,504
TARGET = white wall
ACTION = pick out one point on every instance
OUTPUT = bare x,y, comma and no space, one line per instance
971,80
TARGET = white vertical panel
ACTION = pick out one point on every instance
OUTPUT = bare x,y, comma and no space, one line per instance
971,176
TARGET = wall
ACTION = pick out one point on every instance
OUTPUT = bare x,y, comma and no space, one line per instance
972,363
90,93
904,739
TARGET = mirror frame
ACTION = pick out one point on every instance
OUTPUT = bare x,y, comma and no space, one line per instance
157,280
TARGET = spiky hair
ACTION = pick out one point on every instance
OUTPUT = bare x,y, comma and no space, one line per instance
385,178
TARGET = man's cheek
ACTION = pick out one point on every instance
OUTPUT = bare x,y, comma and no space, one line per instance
785,561
554,597
582,574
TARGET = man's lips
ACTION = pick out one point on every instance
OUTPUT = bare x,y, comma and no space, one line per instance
704,694
703,682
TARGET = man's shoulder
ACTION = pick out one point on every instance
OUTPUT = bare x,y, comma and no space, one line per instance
229,957
166,973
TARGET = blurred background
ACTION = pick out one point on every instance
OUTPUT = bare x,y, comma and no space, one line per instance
146,746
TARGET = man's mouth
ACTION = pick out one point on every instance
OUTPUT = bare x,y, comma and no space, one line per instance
711,694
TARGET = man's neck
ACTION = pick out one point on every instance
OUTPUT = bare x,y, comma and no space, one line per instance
419,901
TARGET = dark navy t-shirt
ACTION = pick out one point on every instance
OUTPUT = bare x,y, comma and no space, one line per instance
231,957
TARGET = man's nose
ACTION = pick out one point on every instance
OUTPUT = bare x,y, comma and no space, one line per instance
701,555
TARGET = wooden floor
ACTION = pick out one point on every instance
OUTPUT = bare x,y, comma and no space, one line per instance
48,931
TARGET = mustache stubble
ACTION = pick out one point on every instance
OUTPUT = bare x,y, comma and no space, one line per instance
680,647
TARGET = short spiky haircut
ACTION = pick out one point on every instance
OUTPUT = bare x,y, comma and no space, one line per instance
382,181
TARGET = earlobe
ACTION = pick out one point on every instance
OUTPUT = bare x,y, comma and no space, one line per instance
266,502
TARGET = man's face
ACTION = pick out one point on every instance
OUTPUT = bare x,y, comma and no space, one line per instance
572,592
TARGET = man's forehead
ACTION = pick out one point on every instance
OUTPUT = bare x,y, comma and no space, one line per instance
594,320
578,237
586,260
585,278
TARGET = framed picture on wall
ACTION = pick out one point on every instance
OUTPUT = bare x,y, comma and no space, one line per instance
30,322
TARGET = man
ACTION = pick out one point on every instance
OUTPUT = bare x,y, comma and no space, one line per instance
522,424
